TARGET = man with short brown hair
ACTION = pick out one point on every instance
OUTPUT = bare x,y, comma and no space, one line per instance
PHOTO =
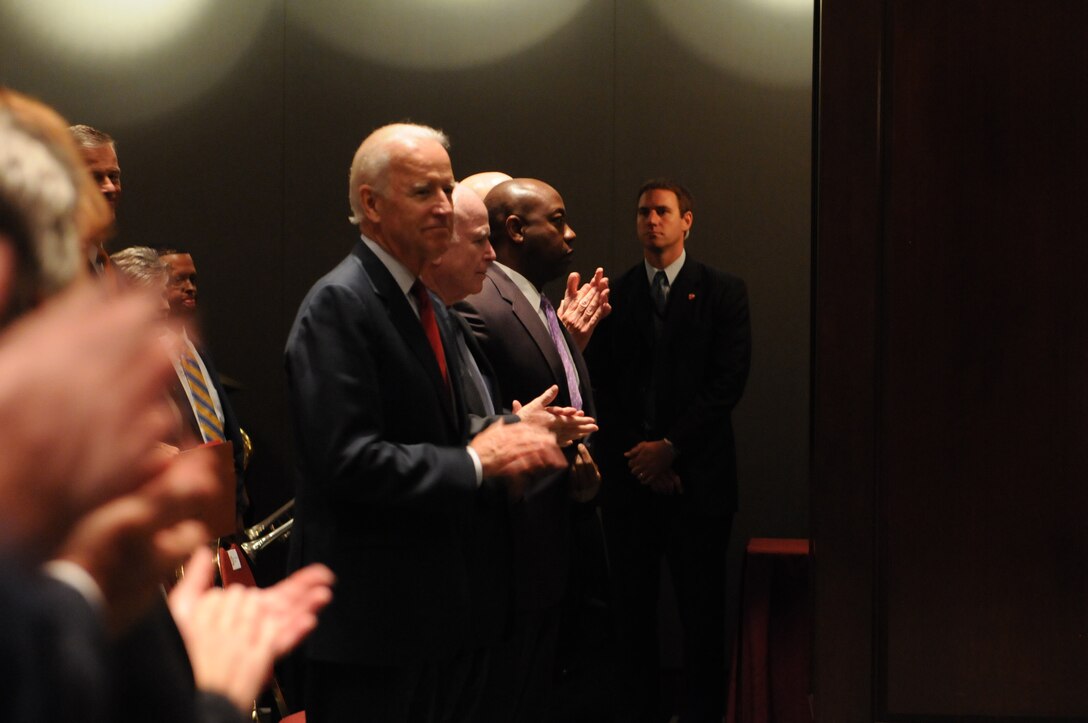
670,364
100,154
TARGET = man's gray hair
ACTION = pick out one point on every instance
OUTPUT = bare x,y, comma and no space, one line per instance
39,191
371,162
88,137
141,265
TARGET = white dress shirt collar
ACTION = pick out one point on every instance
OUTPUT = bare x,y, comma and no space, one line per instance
530,292
671,271
401,275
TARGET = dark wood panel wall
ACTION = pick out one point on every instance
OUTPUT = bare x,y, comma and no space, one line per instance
950,377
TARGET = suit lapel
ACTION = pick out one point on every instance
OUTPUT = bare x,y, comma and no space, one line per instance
530,320
185,409
407,324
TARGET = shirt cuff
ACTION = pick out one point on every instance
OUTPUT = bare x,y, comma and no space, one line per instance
75,577
476,465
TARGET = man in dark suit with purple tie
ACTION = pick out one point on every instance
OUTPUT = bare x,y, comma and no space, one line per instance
530,350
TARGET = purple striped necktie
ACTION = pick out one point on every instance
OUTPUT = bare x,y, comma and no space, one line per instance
564,352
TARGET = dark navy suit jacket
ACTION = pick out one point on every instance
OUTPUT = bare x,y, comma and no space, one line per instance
386,487
695,374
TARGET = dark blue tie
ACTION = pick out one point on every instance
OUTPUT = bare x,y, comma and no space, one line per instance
659,292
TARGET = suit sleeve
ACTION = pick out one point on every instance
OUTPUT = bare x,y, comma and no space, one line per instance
731,354
55,662
337,399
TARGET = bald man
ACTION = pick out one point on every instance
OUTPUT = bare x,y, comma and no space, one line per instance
388,476
522,336
483,182
582,308
459,272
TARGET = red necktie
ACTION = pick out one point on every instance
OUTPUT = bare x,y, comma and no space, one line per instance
430,327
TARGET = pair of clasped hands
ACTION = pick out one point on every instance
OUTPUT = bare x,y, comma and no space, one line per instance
517,452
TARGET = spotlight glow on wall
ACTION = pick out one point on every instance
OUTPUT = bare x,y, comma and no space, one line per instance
107,30
128,60
435,34
753,39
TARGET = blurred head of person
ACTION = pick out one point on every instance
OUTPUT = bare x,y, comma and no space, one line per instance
52,213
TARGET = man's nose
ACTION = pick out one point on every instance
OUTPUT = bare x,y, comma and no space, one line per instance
444,205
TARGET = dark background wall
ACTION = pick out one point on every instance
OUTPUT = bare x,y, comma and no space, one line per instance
950,385
236,126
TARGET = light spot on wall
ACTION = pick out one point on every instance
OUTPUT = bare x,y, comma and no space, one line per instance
435,34
107,30
129,60
752,39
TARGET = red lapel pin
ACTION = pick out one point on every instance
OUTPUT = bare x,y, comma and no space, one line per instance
691,297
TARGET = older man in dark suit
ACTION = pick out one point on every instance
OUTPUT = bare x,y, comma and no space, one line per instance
387,479
462,271
530,349
670,364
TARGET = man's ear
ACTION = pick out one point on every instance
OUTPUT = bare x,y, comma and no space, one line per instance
685,223
515,229
370,201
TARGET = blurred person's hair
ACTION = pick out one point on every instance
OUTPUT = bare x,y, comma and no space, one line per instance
50,206
141,266
88,137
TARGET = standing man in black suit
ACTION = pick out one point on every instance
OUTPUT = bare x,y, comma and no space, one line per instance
530,350
669,365
388,478
200,395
